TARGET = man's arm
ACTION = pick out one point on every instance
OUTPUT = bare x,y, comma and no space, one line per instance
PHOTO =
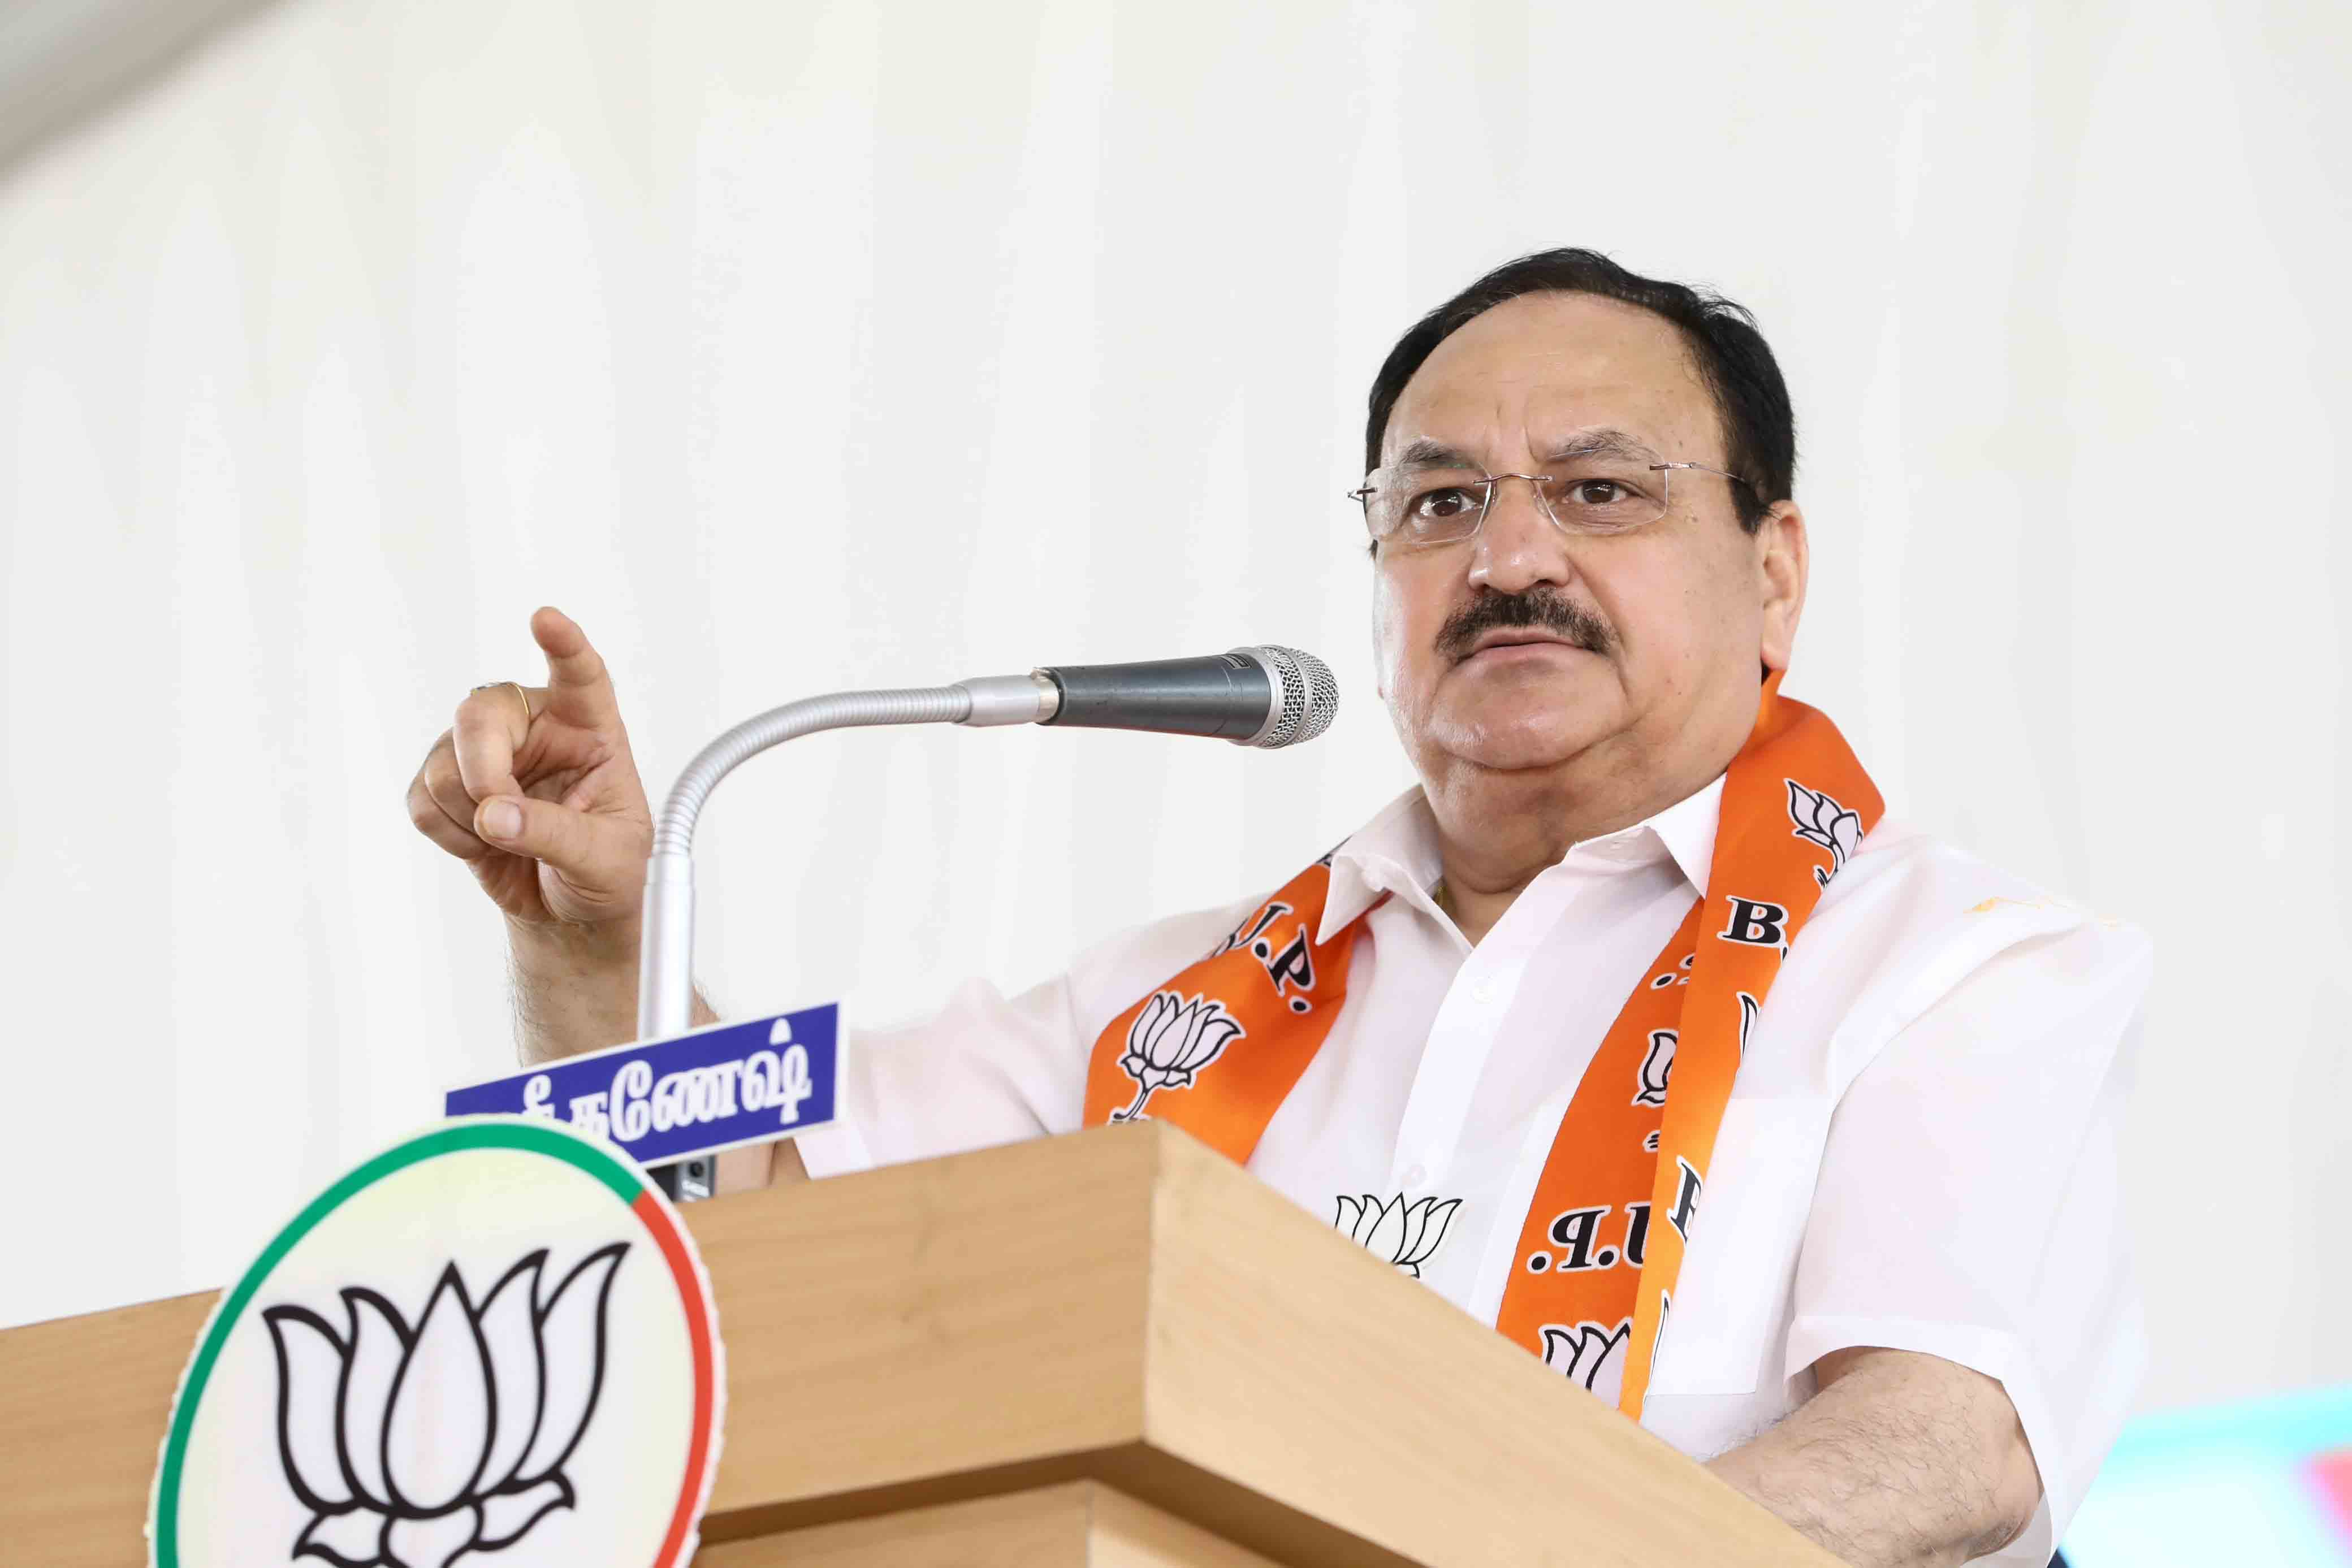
536,791
1901,1461
575,992
567,1001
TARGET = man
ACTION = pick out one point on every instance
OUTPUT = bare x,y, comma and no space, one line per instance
1638,950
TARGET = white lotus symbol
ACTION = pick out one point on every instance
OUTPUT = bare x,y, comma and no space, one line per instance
1580,1353
1821,821
1658,1067
1170,1041
1404,1234
414,1446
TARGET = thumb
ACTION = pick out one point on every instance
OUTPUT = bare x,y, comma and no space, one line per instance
601,858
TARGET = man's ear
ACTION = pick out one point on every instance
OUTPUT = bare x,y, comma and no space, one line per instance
1782,562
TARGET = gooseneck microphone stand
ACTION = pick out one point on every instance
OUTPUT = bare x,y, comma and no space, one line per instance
665,961
1265,698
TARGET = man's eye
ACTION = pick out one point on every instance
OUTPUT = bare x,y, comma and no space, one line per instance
1598,492
1441,506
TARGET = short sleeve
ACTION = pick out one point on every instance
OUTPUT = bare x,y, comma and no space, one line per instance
988,1069
1969,1204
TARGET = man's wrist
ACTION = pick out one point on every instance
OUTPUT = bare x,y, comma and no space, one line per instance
575,987
559,950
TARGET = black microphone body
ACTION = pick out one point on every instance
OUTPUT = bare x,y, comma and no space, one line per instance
1224,695
1260,696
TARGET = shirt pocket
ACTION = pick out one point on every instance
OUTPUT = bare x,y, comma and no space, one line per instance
1725,1329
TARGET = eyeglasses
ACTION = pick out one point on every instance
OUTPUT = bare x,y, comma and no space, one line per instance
1414,505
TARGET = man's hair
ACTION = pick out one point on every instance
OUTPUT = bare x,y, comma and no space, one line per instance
1759,429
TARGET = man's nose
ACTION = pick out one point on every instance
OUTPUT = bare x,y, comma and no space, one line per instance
1517,545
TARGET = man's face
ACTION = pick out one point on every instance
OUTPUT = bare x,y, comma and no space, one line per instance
1630,656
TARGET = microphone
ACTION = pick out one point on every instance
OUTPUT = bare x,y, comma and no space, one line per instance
1261,697
1265,696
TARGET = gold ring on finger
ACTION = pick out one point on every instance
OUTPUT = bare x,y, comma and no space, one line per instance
528,715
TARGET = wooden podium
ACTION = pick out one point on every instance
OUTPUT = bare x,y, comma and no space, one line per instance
1115,1348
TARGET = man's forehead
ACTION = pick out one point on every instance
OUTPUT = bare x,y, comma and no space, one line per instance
1537,369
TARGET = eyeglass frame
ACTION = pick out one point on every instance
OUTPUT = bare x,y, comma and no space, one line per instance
1363,494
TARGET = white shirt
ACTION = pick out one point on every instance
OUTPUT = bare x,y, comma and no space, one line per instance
1918,1152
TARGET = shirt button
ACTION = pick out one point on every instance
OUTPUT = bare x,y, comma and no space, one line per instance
1413,1176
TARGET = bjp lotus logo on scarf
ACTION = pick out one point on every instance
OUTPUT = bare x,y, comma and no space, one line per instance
1169,1043
1584,1353
1657,1067
1821,821
1405,1235
413,1445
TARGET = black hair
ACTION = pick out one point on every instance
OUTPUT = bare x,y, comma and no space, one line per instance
1759,428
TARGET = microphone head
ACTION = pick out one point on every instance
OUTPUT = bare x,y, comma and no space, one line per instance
1305,696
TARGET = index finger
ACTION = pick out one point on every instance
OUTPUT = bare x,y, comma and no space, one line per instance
577,681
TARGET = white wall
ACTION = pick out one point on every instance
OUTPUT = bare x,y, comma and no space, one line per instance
803,347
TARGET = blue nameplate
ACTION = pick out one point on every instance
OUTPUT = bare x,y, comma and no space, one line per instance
716,1088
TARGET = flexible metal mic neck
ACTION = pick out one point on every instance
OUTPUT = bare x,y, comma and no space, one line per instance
666,956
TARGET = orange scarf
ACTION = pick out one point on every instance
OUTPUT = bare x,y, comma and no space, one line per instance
1216,1049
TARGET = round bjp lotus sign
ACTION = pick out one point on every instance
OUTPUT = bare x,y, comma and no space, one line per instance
491,1344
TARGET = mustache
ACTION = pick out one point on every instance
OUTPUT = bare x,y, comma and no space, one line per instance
1543,609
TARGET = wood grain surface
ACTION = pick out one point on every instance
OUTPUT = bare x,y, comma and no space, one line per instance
1079,1524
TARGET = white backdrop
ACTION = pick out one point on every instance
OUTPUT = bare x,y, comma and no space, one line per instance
796,348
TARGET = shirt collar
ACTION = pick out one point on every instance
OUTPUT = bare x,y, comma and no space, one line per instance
1397,850
1687,830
